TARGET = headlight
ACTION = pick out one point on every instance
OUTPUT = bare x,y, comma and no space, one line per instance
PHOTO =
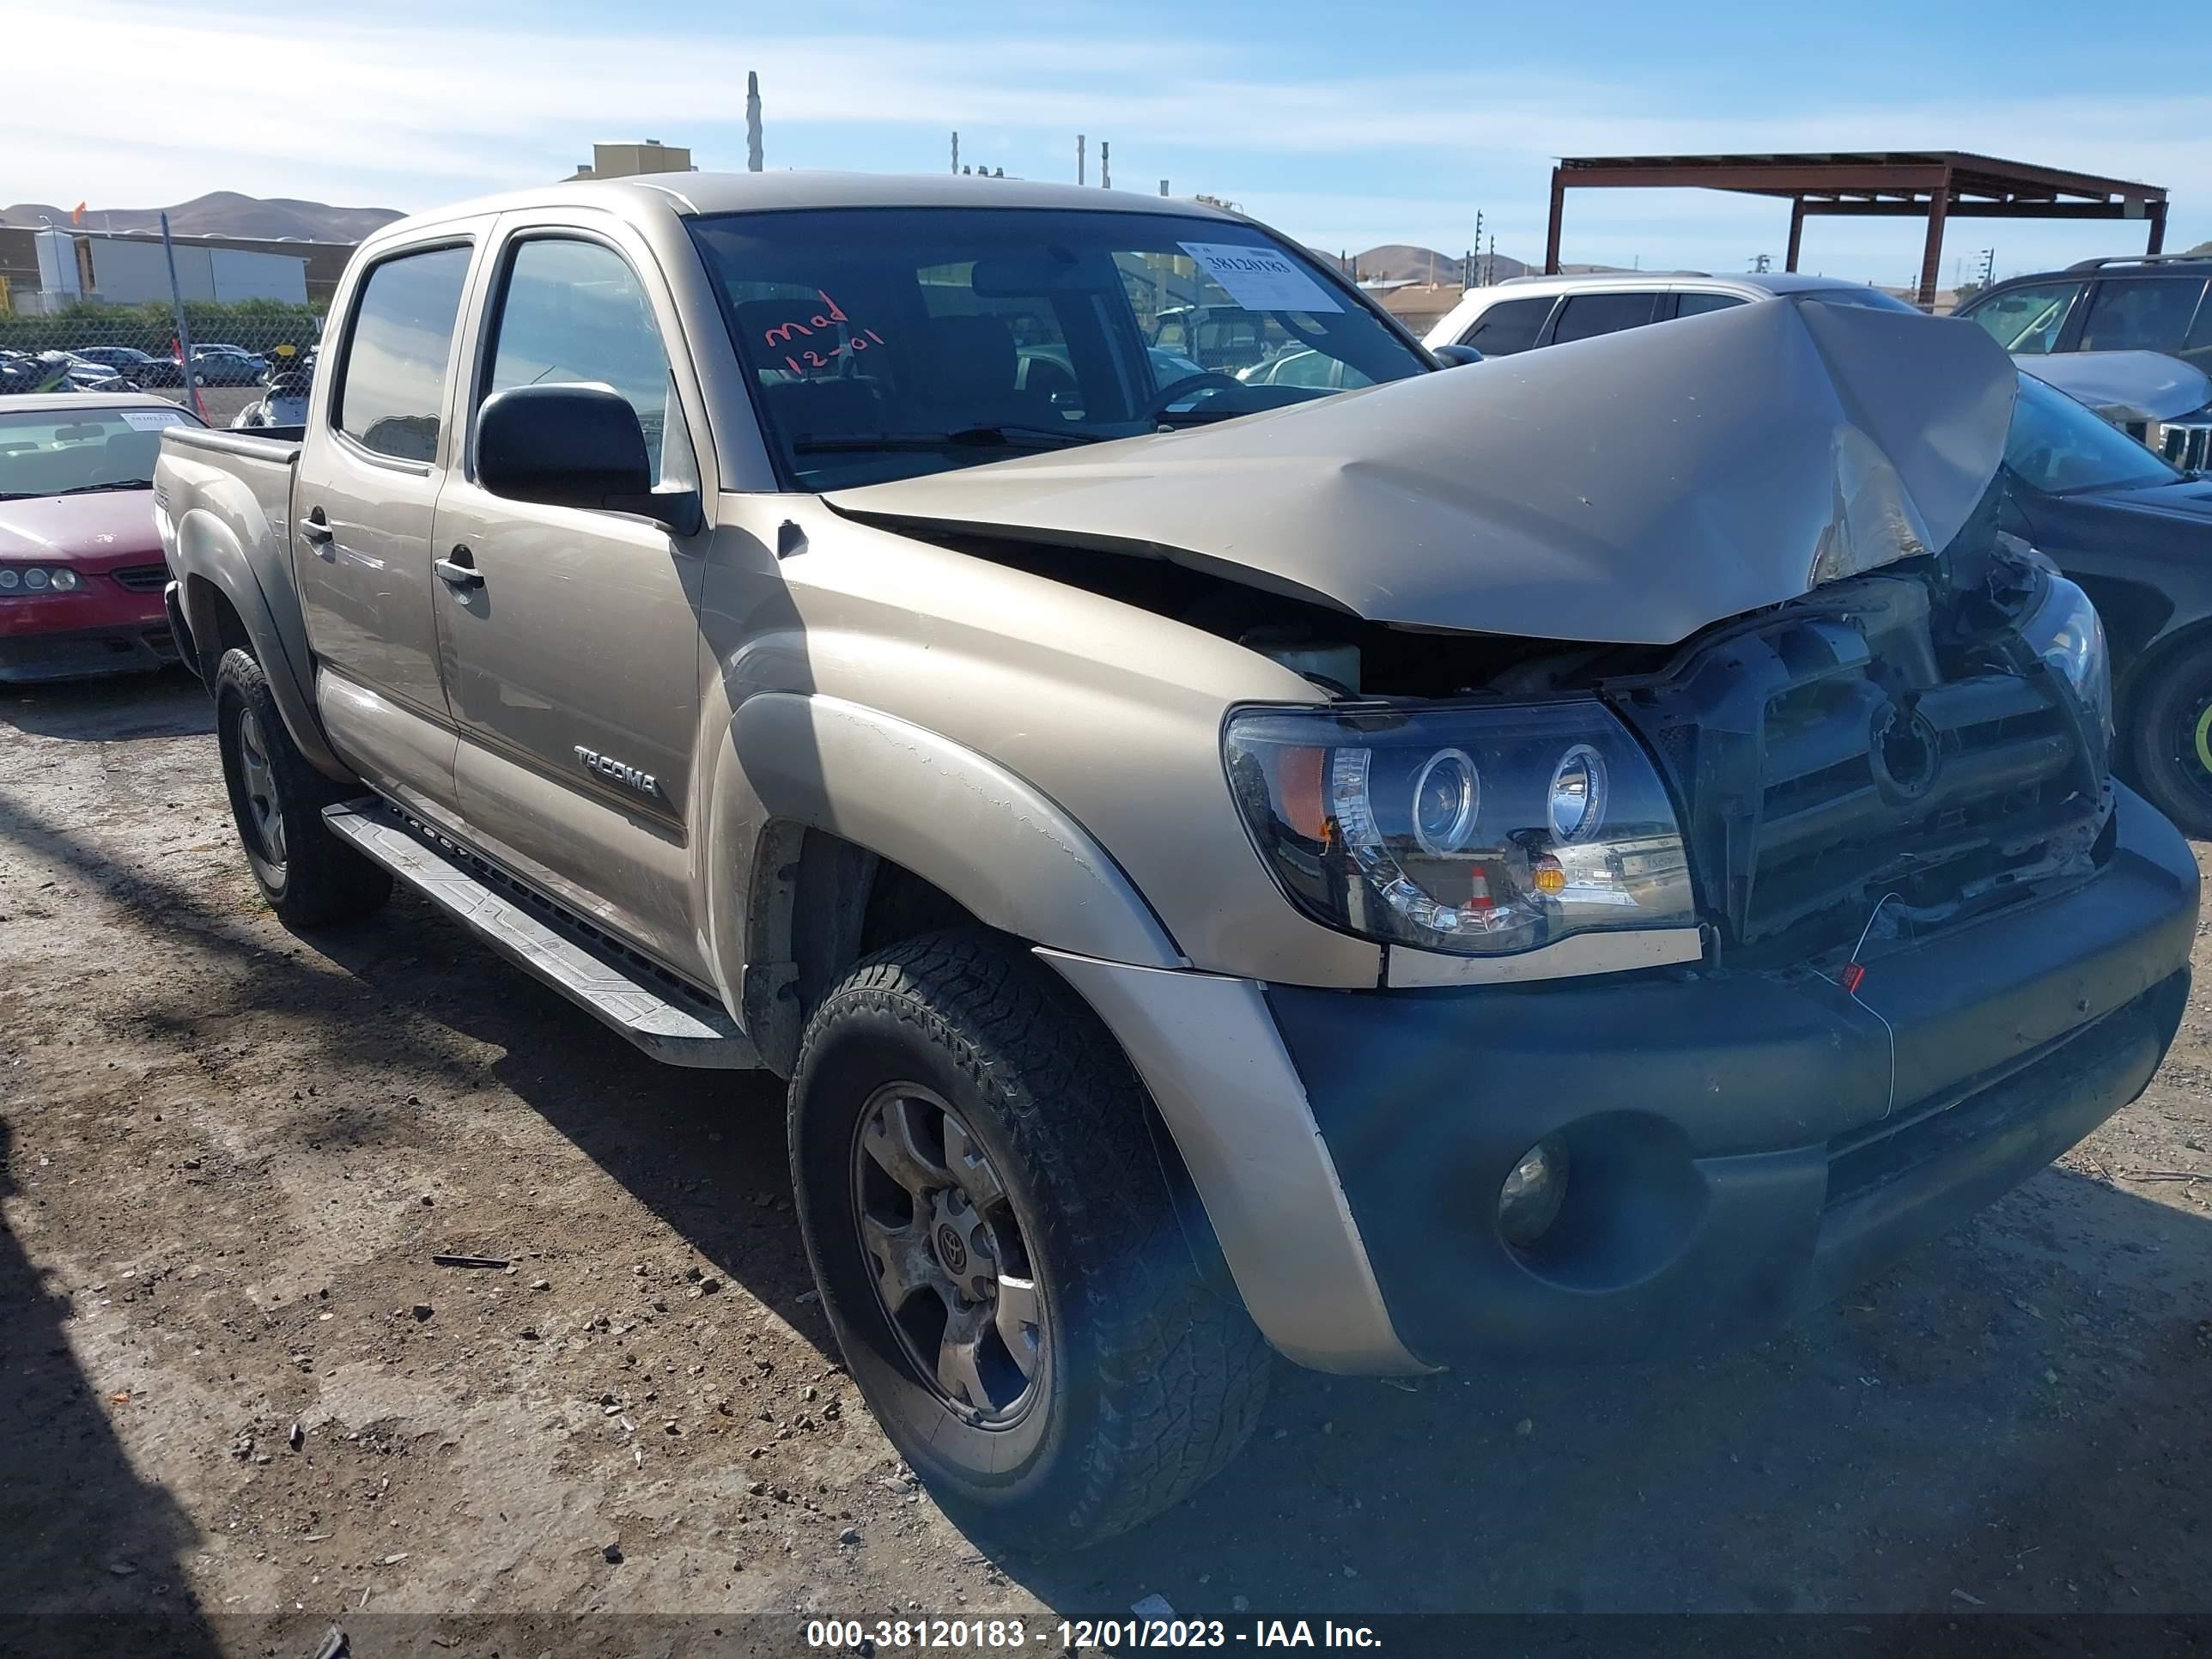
17,580
1480,830
2067,633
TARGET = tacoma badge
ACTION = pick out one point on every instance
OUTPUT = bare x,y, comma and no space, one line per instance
629,776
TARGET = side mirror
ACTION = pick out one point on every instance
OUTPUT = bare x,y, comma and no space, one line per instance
574,445
1455,356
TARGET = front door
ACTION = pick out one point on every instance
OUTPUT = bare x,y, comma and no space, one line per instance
368,484
572,645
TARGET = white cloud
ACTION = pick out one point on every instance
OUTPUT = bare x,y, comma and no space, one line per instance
405,110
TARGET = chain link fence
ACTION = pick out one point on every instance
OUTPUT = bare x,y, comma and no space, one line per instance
240,354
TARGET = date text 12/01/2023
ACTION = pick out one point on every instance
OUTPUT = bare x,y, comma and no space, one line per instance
888,1637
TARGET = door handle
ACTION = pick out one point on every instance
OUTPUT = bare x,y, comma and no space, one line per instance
313,528
459,569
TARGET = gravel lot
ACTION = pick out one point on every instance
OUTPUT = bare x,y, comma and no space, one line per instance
240,1396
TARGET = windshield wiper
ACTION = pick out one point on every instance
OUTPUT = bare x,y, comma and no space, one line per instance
978,437
113,483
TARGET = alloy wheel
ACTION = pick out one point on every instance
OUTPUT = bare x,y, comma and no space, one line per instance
946,1256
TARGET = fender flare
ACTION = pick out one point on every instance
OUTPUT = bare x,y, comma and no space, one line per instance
209,558
991,841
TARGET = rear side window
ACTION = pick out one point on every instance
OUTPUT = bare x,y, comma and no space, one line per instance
1585,316
574,311
1696,304
2140,313
394,382
2026,319
1509,327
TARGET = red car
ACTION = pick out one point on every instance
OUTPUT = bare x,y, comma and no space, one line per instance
81,571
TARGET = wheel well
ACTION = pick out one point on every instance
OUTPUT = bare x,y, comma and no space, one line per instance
203,599
819,904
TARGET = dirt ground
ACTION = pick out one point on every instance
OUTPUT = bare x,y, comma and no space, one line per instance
239,1396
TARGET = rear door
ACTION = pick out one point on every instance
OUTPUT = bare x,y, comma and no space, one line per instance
577,643
375,459
1586,316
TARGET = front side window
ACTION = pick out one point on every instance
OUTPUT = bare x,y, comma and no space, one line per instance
394,375
1509,327
575,311
2141,313
1585,316
2027,319
2061,448
886,342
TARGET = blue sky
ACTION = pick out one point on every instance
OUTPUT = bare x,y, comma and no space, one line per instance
1346,125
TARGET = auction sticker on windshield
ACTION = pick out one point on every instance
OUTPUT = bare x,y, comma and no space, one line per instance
1260,278
150,420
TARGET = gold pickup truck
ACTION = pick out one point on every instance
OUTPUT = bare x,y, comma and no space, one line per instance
1564,856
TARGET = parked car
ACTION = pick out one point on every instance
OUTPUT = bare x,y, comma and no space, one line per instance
128,361
2129,303
1523,313
227,366
1505,862
81,575
2136,534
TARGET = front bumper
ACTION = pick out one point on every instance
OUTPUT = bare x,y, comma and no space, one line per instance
104,630
1740,1146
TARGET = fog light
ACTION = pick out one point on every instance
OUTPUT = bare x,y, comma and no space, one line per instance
1528,1202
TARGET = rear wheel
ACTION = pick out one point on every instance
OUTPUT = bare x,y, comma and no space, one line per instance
1000,1253
2172,741
309,876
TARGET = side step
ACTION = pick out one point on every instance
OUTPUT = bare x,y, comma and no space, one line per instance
653,1010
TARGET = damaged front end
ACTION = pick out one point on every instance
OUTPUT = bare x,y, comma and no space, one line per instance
1696,643
1887,755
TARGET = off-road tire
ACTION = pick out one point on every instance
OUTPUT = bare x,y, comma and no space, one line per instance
319,880
2162,740
1155,1380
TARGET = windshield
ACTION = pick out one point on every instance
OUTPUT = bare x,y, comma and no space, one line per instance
887,342
2062,448
56,450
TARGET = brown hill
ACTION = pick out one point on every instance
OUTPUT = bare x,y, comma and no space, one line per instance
1399,261
224,213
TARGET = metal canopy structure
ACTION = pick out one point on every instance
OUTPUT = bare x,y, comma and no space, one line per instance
1937,185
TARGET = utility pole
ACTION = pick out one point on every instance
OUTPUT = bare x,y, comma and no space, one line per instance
1079,158
1761,263
1989,266
752,122
956,152
1466,281
1105,168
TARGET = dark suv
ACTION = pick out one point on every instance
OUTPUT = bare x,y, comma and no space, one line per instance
2144,302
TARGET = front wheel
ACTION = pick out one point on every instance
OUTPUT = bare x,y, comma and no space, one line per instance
2172,741
309,876
999,1254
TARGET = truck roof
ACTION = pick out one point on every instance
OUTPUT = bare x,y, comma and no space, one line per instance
687,194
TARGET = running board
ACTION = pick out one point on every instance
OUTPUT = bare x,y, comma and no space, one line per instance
666,1020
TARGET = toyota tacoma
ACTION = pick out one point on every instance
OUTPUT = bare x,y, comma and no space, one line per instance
1564,857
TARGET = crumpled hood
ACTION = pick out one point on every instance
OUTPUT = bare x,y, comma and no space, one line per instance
2123,386
1630,490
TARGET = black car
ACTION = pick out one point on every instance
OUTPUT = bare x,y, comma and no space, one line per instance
2136,534
2151,302
128,361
